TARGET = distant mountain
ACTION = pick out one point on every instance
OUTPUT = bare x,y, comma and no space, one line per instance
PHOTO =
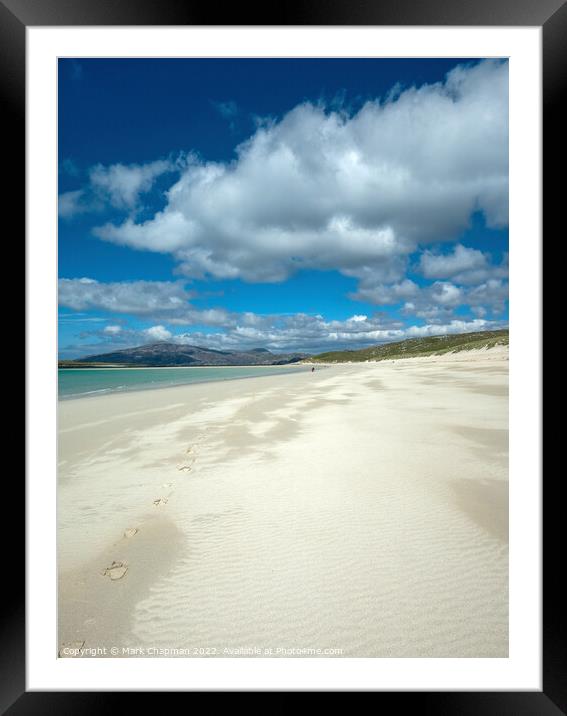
431,345
173,354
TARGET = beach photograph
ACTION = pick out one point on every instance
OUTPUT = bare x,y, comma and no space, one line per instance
283,358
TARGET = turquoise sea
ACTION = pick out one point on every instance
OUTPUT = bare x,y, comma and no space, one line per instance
83,382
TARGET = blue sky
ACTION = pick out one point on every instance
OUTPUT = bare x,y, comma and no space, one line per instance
287,204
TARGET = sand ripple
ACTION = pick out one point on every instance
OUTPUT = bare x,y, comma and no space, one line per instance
363,509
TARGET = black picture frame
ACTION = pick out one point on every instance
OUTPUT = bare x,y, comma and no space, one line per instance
551,15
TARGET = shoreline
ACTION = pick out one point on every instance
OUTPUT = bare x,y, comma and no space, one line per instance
361,508
152,387
170,367
451,357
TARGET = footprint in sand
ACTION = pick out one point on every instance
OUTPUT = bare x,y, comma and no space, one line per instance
168,485
130,531
116,570
160,501
193,457
188,465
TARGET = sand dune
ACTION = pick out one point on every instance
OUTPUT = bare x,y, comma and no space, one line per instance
360,509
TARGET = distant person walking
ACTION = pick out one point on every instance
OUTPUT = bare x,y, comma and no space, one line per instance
313,369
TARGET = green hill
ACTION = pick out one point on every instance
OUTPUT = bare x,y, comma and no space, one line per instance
413,347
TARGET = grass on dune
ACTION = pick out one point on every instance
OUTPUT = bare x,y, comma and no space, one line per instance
415,347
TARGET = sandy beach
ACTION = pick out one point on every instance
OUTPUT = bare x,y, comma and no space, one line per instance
357,511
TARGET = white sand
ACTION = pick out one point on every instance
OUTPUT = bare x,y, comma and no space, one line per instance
362,508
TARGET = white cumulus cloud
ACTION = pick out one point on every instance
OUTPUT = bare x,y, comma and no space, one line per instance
135,297
123,184
447,265
152,300
158,333
113,330
117,185
322,189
